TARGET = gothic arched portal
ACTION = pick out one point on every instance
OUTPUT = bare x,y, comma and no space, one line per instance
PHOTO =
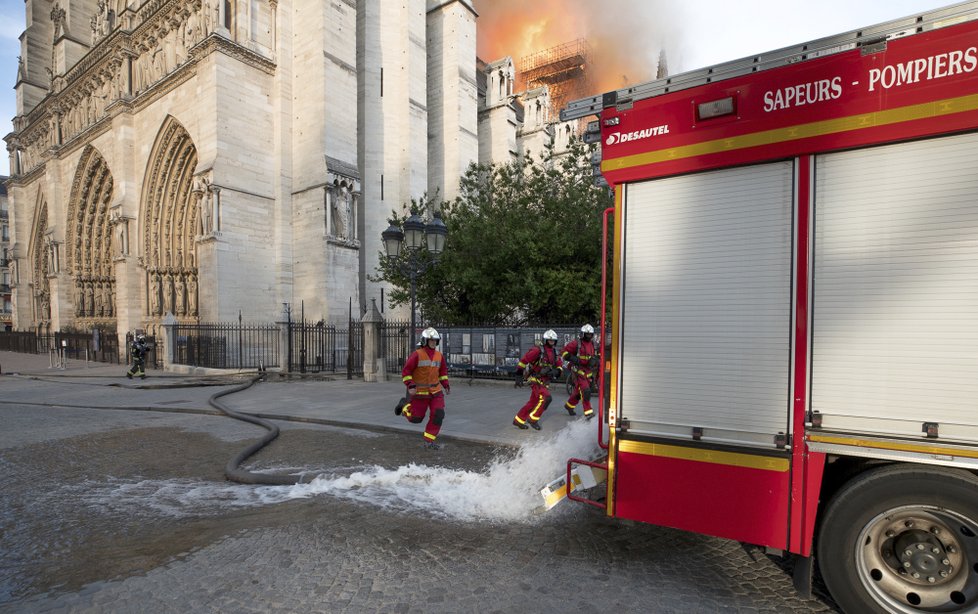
170,223
89,240
40,250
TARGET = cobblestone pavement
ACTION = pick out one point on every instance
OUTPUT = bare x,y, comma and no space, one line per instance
128,511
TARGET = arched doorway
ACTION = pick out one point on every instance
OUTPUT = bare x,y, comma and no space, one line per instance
40,261
170,224
89,243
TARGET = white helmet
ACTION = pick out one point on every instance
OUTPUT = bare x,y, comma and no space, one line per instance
429,333
550,335
141,338
587,329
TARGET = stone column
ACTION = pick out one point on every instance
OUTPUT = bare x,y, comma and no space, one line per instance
373,360
170,334
283,340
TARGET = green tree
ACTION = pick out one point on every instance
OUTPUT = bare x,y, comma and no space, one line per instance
523,246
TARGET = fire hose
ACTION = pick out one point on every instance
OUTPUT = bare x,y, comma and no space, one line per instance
233,470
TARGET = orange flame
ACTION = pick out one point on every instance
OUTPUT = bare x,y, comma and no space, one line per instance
622,51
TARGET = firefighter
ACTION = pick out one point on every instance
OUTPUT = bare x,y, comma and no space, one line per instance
138,349
426,376
540,365
582,358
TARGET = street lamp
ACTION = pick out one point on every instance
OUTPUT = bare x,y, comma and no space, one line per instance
415,237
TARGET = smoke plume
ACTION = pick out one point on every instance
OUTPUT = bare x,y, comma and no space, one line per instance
625,36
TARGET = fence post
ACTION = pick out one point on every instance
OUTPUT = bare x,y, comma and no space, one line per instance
373,360
285,349
170,336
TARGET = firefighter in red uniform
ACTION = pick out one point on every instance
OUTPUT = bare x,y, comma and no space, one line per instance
582,358
541,365
426,376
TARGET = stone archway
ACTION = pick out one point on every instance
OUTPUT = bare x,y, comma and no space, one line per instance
40,261
170,224
89,242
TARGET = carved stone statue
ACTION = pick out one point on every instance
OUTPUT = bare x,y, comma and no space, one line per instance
154,294
341,213
180,287
192,294
98,304
167,293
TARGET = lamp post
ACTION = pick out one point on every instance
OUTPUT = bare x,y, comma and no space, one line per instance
416,237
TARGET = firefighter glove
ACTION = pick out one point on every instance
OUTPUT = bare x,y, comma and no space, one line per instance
573,359
556,373
448,389
519,371
412,390
518,383
593,362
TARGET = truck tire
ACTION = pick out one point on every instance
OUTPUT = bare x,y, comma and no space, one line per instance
902,538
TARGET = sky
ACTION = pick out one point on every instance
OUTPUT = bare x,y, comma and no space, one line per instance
695,33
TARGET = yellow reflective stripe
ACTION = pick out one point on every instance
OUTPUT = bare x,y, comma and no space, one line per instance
521,364
443,378
533,414
703,455
891,445
852,123
429,436
406,378
520,420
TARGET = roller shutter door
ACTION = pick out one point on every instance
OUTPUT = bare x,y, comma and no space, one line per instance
706,305
895,307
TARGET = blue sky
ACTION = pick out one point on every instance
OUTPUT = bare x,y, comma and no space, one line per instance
709,32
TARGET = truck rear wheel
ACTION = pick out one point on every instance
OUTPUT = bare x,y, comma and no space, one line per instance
903,538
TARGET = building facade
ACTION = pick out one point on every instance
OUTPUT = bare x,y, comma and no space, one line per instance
6,301
205,158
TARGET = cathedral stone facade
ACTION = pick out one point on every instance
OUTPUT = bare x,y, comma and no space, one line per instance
205,158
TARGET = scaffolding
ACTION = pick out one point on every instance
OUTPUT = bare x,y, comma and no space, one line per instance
563,69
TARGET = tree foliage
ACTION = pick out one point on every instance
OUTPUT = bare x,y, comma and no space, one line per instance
523,246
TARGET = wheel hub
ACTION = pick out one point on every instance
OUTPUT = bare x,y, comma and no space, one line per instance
922,557
917,558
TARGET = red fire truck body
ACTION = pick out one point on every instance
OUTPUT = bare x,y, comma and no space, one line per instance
794,354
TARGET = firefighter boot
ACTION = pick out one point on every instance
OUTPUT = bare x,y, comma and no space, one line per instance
535,426
517,424
430,445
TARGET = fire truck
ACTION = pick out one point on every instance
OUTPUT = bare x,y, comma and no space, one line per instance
793,308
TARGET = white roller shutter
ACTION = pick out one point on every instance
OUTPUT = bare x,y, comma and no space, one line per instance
895,313
706,305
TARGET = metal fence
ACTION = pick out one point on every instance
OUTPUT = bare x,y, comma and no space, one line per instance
97,345
227,345
323,348
27,342
484,352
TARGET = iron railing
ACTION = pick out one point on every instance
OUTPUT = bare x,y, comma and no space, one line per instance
227,345
97,345
323,348
25,342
